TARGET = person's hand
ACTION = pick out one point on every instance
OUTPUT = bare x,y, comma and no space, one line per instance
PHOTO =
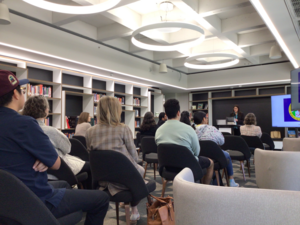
236,120
39,166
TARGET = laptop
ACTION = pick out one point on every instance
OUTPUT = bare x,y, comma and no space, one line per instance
230,121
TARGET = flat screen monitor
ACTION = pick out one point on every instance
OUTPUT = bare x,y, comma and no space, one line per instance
282,113
295,89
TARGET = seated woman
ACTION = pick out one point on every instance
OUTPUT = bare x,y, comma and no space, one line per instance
38,108
250,128
207,132
110,133
148,127
186,118
83,124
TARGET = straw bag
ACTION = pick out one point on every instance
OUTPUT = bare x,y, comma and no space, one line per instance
161,211
275,134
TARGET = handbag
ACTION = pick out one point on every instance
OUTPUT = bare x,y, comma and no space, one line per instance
275,134
161,211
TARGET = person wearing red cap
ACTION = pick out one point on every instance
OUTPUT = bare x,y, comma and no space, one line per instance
27,153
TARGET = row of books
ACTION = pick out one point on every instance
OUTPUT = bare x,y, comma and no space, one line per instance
121,100
47,121
98,96
137,113
200,106
137,123
136,102
39,90
69,135
95,110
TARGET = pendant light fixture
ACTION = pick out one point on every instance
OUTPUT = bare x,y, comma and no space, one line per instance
275,52
163,68
60,8
4,14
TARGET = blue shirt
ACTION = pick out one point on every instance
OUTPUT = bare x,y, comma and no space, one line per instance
22,143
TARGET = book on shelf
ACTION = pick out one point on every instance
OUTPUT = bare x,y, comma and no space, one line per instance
137,113
291,133
34,90
69,135
98,96
95,110
47,121
206,106
67,123
136,102
200,106
71,122
137,123
121,100
194,107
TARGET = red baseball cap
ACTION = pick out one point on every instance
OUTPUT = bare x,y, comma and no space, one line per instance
9,82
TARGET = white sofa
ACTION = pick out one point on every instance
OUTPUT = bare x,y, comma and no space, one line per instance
291,144
277,170
198,204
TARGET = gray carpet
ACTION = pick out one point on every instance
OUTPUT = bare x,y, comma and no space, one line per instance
110,218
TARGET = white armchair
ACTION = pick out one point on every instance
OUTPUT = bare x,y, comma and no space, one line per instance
277,169
291,144
206,204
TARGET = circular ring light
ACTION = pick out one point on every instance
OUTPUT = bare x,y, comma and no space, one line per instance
101,7
167,25
235,60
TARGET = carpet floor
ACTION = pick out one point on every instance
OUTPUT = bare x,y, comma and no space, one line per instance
110,218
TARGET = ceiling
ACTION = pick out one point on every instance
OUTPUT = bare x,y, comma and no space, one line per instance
231,26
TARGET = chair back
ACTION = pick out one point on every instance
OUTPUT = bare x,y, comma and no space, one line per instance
20,204
138,138
266,138
211,150
81,139
277,170
174,158
64,173
236,143
114,167
226,133
148,145
78,149
291,144
253,142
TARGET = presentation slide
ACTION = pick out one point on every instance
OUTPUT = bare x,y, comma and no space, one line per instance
282,114
295,89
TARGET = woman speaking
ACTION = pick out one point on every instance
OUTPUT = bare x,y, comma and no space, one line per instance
239,118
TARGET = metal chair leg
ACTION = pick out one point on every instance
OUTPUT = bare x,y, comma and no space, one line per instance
227,177
164,188
127,213
145,170
117,212
155,166
217,177
248,165
242,165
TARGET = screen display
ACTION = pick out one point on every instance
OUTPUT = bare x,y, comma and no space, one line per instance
295,89
282,113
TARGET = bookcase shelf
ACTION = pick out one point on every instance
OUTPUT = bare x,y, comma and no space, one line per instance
53,114
100,90
43,82
122,94
52,99
139,96
78,93
135,106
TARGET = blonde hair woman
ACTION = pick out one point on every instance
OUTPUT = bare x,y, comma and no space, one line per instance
83,124
110,134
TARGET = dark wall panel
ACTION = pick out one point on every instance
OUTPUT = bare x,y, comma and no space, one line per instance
39,74
136,91
73,105
261,107
270,91
221,94
120,88
201,96
72,89
72,80
152,104
245,92
99,84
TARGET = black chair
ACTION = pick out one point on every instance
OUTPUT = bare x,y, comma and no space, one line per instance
267,141
211,150
238,150
65,173
226,133
172,159
138,141
81,139
114,167
20,206
78,149
253,142
149,149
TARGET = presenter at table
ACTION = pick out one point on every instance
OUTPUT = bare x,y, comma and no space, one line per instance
239,118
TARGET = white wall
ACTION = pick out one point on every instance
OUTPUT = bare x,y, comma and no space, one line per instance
183,99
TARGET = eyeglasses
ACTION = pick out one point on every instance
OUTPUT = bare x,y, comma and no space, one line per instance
23,90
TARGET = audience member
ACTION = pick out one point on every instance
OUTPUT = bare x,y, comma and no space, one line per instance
186,118
110,133
27,153
83,124
162,119
175,132
38,108
250,128
207,132
148,127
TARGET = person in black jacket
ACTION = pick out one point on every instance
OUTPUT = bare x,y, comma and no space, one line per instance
162,119
239,118
148,126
